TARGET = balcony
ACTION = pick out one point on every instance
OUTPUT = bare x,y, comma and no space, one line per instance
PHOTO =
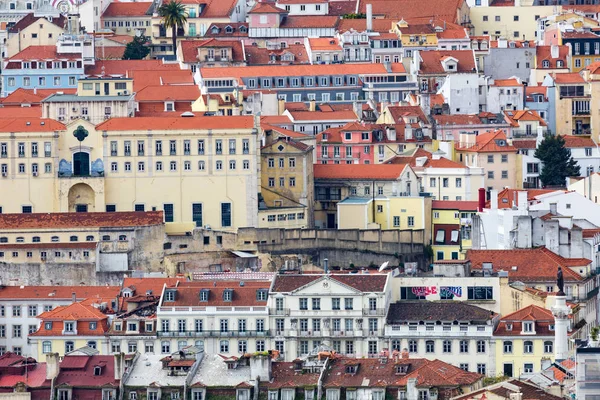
522,133
378,312
216,58
331,197
69,174
245,333
282,311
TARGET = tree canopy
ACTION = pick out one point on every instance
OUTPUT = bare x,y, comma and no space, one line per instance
173,16
558,164
137,49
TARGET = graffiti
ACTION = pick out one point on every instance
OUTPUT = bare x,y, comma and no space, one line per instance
424,290
451,291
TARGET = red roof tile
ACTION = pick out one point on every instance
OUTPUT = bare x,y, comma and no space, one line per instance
454,205
109,52
82,375
458,119
318,44
30,125
576,141
344,115
442,9
488,143
42,53
357,172
31,19
363,282
262,56
432,61
31,96
360,25
168,93
285,375
188,293
567,78
514,117
127,9
190,49
20,112
506,82
122,67
524,143
238,29
400,112
57,292
544,53
215,8
72,220
266,8
533,265
512,324
174,123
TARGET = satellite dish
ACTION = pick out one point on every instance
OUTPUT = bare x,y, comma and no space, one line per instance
384,266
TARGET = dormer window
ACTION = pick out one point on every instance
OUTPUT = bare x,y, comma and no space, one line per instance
48,326
511,45
169,106
262,294
227,294
546,64
501,142
214,30
351,369
528,326
243,29
509,326
69,326
401,369
228,29
204,294
559,64
93,326
170,295
324,137
97,370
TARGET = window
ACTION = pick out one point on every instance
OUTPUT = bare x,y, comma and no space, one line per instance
224,346
447,346
528,347
504,175
303,303
411,222
46,346
225,214
548,346
16,311
508,346
481,346
316,304
396,220
481,369
168,211
335,303
348,303
69,346
430,346
32,311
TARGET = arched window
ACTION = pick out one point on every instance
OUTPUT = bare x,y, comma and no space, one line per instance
3,239
89,238
548,346
430,346
46,347
35,239
122,238
91,344
105,238
73,238
20,239
55,239
69,346
528,346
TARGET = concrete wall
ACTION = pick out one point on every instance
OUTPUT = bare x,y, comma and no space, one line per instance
42,274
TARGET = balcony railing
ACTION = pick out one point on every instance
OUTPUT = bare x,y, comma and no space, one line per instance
279,311
331,197
374,312
246,333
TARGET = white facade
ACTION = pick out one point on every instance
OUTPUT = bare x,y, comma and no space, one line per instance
500,98
461,92
308,8
569,204
588,159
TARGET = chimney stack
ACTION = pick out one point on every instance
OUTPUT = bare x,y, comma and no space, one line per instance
52,367
494,199
553,209
74,297
554,51
405,354
481,199
119,360
369,17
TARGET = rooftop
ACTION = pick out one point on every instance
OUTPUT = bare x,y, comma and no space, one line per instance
356,172
175,123
445,311
127,9
148,369
214,372
78,220
362,282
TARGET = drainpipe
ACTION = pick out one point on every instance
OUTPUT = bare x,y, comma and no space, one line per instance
373,194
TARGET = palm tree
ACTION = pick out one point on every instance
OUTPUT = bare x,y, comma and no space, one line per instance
173,16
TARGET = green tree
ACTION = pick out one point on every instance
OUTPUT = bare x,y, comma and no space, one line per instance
173,16
355,16
558,164
137,49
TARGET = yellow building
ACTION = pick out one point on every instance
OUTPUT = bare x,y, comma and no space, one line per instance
508,22
67,328
196,169
451,228
524,341
221,103
417,36
286,185
34,31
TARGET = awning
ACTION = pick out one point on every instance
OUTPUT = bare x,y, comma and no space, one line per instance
243,254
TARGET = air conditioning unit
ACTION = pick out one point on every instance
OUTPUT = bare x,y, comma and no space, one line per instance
128,29
35,174
4,174
125,92
119,93
74,109
61,117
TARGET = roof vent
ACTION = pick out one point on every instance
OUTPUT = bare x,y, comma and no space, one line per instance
43,123
27,123
242,283
514,268
187,114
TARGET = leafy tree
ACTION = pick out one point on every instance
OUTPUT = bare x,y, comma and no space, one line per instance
558,164
355,16
137,49
173,16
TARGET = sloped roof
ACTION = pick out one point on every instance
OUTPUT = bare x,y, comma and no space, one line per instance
432,61
399,112
190,48
403,311
488,143
457,119
31,96
42,53
168,93
188,293
30,125
127,9
407,9
463,205
384,172
362,282
122,67
576,141
56,292
544,53
266,8
31,19
72,220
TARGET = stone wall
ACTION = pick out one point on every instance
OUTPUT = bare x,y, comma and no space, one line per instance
45,274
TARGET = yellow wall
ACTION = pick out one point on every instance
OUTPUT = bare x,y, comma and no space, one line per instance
89,86
46,35
355,215
518,358
507,26
58,344
449,217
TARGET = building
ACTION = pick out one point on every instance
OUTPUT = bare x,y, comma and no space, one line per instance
524,342
521,54
449,127
505,94
66,328
549,59
584,44
189,152
346,310
452,228
525,123
96,100
334,183
287,184
491,151
194,54
453,332
504,389
324,50
131,18
221,317
587,360
508,21
34,30
21,305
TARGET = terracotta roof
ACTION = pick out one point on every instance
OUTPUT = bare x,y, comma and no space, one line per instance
310,21
72,220
301,1
342,7
463,205
215,8
384,172
190,49
533,265
285,375
442,9
488,143
188,294
42,53
398,113
266,8
531,90
524,143
512,324
30,125
80,374
590,233
530,313
515,116
457,119
360,25
506,82
404,311
109,52
35,378
576,141
411,159
143,78
344,115
122,67
222,31
361,282
567,78
319,44
262,56
508,197
127,9
168,92
73,312
284,132
432,61
174,123
579,35
544,53
298,145
31,96
56,292
31,18
504,389
276,120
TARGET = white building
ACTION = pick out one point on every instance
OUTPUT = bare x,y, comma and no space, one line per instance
505,94
309,7
347,310
454,332
461,92
20,306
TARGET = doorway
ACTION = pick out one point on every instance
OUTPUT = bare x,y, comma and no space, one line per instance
81,164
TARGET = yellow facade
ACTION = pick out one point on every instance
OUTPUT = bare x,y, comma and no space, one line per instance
58,344
508,22
416,40
517,358
210,177
462,221
40,33
104,86
223,103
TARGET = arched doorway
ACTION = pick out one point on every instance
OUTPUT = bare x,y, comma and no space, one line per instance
81,164
81,197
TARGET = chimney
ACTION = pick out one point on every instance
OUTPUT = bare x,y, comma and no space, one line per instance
554,51
539,137
481,199
553,209
494,199
411,389
73,297
357,108
280,106
408,132
369,17
52,367
312,106
260,367
405,354
516,396
502,43
119,360
522,200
